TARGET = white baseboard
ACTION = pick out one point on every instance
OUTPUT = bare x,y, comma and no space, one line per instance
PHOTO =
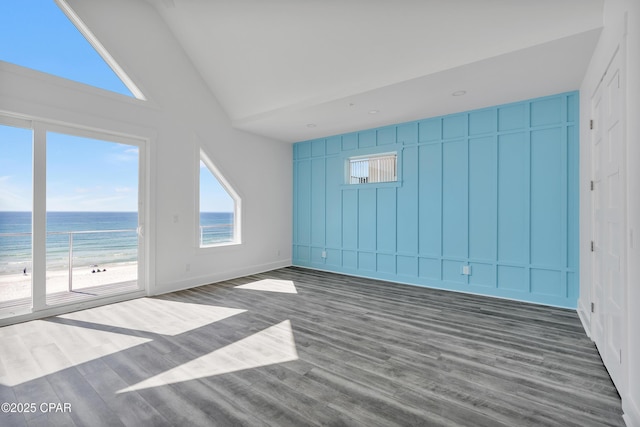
631,412
219,277
585,317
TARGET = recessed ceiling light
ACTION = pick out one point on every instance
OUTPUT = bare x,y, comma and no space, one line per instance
373,111
459,93
311,125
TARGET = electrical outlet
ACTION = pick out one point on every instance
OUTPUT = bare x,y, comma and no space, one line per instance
466,270
187,267
324,254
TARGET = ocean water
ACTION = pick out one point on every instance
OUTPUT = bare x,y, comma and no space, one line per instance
95,242
216,227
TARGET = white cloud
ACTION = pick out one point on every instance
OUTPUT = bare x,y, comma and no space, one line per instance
93,201
123,158
13,197
129,154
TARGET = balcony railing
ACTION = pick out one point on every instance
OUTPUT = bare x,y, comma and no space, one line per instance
57,243
373,169
216,233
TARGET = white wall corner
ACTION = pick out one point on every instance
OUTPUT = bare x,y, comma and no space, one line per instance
194,282
631,410
584,315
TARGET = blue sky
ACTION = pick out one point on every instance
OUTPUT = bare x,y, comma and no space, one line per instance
213,198
90,175
15,169
38,35
82,174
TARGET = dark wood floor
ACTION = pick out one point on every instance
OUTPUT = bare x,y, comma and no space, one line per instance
339,351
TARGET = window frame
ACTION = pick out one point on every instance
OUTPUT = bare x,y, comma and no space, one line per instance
84,30
237,203
367,154
40,129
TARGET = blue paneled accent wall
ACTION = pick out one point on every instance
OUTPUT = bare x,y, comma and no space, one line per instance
494,189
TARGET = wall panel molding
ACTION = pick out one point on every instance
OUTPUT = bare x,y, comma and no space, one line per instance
486,203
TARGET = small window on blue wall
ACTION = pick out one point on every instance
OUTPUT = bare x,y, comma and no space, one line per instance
373,169
219,215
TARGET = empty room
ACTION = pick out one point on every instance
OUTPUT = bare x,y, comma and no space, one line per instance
301,213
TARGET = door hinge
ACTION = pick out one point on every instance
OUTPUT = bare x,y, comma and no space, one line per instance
591,124
591,185
620,354
593,307
592,246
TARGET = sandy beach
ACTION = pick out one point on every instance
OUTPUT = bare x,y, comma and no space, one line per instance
16,286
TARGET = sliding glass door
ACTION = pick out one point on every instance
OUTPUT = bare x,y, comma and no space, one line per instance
92,217
16,183
77,234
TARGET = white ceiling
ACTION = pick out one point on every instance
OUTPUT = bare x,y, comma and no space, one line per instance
277,66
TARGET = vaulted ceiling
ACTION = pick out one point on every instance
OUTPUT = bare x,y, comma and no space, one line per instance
298,69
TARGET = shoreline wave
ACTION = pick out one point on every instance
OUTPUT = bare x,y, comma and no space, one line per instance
58,268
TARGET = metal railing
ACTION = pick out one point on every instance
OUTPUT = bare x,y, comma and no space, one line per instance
373,169
222,233
71,235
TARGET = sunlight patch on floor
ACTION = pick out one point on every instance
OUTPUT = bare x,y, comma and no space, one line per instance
27,356
76,338
271,285
154,315
267,347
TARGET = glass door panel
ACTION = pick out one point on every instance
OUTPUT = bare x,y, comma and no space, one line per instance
92,218
16,146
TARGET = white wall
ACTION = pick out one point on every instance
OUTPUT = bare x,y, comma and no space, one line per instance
616,12
181,114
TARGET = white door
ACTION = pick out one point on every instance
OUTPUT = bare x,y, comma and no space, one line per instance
609,261
597,153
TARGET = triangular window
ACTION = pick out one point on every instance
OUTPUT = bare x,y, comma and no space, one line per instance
219,216
51,38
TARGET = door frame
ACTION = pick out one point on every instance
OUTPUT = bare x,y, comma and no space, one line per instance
39,128
617,371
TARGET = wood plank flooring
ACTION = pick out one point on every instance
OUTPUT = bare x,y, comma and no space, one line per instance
75,296
296,347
